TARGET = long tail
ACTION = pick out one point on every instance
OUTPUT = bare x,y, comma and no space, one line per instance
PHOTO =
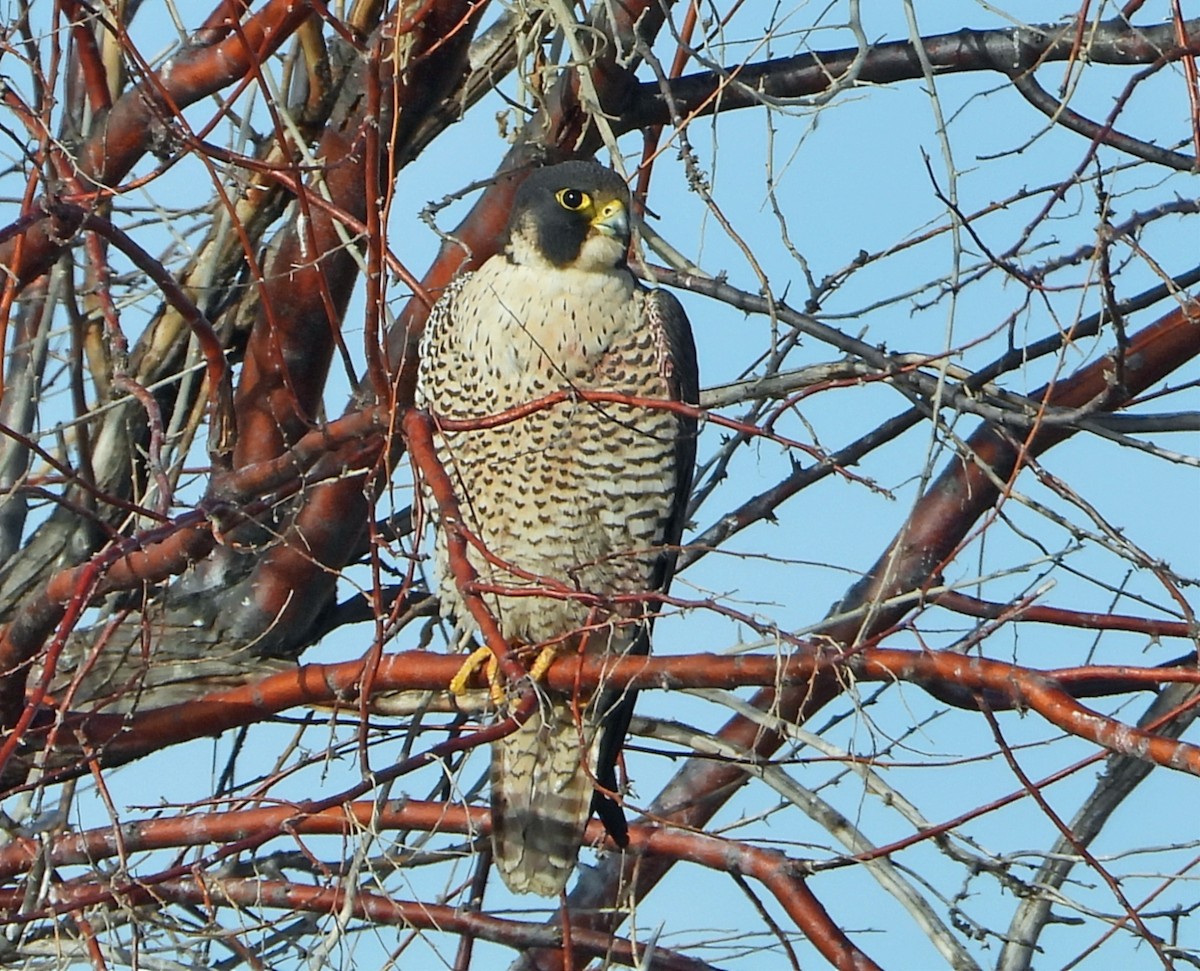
541,800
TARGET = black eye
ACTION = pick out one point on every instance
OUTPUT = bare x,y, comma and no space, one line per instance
573,199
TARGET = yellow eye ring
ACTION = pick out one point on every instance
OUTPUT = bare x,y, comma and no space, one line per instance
573,199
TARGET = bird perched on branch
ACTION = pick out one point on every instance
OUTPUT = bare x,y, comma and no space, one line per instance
580,503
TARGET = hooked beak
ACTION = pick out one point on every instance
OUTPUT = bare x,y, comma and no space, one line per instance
612,219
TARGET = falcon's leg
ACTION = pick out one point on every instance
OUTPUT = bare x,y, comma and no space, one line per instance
480,657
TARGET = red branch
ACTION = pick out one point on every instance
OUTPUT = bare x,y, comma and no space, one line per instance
1051,693
783,876
960,603
208,893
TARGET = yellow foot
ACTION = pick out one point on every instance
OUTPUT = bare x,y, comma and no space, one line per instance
542,663
481,657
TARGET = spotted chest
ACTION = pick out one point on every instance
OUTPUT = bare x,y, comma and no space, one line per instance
575,493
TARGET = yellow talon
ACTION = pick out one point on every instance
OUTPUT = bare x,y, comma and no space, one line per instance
544,659
481,657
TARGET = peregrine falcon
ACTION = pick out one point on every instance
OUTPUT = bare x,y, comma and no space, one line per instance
578,503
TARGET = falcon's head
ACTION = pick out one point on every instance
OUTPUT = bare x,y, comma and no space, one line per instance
574,215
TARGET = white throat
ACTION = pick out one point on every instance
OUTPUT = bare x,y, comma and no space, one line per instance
599,254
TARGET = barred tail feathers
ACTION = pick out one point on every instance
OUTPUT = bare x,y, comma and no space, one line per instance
541,800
